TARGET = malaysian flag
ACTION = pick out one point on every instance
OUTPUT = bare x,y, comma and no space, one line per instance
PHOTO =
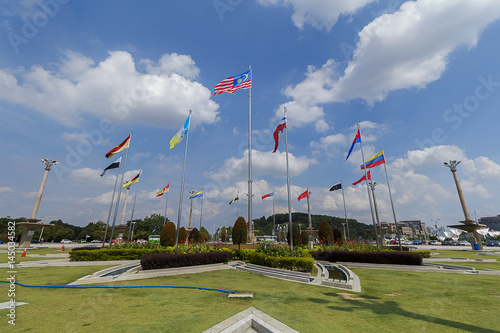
231,84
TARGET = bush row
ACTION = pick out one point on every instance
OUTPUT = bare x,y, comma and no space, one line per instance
386,257
109,254
303,264
170,260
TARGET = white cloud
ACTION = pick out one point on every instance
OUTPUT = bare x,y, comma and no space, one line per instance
92,177
6,189
113,89
263,163
406,49
321,14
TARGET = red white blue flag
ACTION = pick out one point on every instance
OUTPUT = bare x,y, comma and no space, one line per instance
357,138
277,133
233,83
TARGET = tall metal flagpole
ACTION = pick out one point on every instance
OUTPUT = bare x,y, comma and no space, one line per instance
111,205
250,160
310,221
377,218
288,185
119,194
132,215
345,210
368,191
201,212
166,205
392,204
182,192
274,222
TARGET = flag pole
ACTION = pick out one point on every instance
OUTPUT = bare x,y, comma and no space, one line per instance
345,210
274,222
182,191
119,194
392,204
237,204
132,215
201,212
111,205
309,217
372,186
368,190
166,205
288,186
250,226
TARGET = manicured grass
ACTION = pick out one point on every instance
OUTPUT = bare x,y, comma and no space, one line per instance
391,301
470,255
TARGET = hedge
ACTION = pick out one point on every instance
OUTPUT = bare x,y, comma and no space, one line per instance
109,254
170,260
303,264
386,257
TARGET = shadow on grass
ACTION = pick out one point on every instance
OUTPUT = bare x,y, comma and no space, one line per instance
391,308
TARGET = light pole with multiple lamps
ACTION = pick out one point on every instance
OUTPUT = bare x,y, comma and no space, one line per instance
468,225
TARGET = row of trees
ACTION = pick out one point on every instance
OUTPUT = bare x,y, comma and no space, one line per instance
168,235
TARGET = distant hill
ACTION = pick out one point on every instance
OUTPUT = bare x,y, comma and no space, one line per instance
264,225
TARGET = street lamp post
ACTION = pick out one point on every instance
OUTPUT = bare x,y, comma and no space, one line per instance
468,225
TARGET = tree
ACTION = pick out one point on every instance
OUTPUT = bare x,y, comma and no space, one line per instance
168,234
223,235
297,238
305,237
93,230
325,233
205,235
337,236
194,236
182,235
240,232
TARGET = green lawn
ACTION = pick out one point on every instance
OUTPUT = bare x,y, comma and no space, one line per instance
470,255
391,301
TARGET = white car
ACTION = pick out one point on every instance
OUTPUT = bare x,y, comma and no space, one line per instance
66,241
464,243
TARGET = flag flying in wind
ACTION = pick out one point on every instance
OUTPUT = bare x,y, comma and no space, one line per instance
337,186
196,195
122,146
268,196
114,165
363,178
237,198
374,161
181,133
162,191
133,181
357,138
277,133
303,195
233,83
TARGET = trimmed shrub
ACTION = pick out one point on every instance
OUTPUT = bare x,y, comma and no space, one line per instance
194,236
303,264
183,235
110,254
325,233
168,234
337,236
387,257
170,260
305,237
240,231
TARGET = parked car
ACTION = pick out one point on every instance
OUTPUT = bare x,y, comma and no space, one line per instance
35,241
393,241
463,243
417,242
96,241
491,242
66,241
434,242
446,242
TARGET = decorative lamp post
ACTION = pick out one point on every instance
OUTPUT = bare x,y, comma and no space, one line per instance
468,225
31,225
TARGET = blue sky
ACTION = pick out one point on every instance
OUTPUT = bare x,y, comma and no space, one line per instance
420,77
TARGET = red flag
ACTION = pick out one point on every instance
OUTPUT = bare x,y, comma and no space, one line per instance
303,195
363,178
277,134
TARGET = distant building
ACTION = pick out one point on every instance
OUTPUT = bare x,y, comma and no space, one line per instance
492,222
414,228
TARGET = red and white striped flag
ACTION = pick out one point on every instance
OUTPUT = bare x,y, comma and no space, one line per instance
233,83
